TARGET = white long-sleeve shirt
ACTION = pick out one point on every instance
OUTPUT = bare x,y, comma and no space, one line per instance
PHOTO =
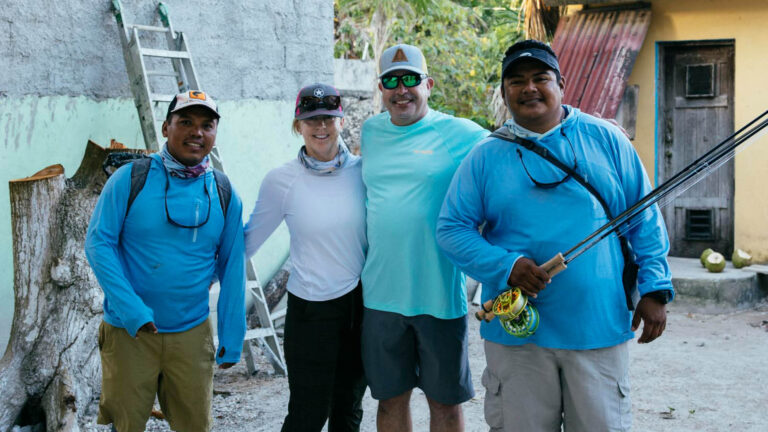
325,215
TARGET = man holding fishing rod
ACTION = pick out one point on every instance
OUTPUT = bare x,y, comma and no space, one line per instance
542,183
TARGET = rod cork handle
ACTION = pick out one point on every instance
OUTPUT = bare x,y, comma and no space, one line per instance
554,266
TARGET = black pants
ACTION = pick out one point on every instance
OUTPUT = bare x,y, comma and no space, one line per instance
325,369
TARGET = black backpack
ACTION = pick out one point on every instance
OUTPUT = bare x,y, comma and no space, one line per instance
140,171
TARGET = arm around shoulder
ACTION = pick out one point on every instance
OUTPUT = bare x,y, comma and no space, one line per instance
267,213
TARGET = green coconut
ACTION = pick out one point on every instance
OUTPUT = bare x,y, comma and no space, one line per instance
715,262
741,259
704,256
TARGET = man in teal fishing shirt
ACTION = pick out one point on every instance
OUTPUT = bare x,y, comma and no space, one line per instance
414,322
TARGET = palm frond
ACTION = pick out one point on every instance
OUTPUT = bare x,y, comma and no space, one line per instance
540,22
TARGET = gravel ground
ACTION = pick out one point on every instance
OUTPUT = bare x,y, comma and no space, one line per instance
706,373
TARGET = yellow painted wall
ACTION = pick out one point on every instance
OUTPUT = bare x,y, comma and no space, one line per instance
746,22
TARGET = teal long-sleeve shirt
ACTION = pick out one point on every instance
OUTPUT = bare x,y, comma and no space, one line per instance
153,271
584,306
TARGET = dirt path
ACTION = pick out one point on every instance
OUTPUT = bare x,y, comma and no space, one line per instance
706,373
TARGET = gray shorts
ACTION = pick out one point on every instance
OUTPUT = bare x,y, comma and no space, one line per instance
534,389
400,353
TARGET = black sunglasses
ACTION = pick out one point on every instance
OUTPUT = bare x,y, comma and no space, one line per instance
550,185
390,82
168,215
311,103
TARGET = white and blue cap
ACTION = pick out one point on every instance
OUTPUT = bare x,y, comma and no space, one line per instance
192,98
539,54
402,57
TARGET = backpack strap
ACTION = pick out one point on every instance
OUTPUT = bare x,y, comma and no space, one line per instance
545,154
629,274
139,173
224,188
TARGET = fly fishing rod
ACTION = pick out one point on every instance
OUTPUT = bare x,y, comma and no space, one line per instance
520,318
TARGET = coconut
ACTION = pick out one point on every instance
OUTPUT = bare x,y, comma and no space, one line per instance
715,262
741,259
704,256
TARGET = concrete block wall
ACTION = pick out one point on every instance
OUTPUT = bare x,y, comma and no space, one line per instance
64,81
242,49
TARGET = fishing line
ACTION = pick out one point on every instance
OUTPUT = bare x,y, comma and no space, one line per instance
675,186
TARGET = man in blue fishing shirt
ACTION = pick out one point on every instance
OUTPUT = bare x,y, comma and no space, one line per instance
572,370
154,257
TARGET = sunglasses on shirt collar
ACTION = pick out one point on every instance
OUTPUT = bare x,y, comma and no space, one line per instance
390,82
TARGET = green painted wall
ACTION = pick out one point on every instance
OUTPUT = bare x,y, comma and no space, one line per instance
254,136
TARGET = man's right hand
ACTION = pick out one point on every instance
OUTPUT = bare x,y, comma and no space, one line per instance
528,277
148,327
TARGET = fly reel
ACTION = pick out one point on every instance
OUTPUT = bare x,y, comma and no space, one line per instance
517,317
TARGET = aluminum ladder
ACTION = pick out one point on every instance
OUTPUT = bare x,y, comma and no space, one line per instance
152,107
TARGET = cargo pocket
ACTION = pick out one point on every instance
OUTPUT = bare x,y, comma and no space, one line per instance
625,406
494,406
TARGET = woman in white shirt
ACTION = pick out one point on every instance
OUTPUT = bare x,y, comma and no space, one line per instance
321,197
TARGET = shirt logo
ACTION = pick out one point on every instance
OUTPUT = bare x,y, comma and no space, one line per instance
425,152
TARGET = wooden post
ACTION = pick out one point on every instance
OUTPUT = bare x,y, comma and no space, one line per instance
51,367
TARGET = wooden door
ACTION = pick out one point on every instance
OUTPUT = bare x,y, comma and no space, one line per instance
696,113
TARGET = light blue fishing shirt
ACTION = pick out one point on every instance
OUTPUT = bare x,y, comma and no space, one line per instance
584,306
153,271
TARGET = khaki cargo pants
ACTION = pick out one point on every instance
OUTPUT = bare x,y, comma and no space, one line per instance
535,389
177,367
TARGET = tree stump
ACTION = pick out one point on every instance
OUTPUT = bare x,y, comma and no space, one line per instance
51,371
277,286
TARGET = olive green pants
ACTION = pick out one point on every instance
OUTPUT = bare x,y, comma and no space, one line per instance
177,367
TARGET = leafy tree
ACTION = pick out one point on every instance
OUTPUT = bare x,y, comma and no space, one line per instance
377,18
463,41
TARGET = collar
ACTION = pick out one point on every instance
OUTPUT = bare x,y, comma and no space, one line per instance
516,129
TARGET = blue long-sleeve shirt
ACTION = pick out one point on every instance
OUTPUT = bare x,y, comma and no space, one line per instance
584,307
153,271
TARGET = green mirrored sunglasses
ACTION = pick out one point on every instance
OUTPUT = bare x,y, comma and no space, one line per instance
390,82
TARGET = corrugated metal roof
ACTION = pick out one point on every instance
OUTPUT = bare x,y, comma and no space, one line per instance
597,50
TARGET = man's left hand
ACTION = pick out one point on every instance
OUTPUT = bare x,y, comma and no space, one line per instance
224,365
654,317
